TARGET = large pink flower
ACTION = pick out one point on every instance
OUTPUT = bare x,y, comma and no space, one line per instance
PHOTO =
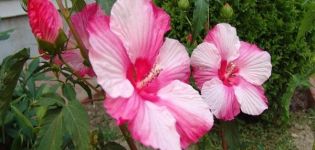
144,76
230,73
44,19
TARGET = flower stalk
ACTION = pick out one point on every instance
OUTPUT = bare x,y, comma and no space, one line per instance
66,14
130,141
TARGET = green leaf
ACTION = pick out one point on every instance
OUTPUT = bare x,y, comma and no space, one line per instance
9,73
113,146
22,119
78,5
77,124
69,92
230,132
51,134
199,17
106,5
50,99
308,21
32,67
5,34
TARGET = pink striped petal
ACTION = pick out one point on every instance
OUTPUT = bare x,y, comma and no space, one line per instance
221,99
224,37
254,64
81,19
192,114
74,59
123,109
205,61
109,59
174,61
141,27
44,19
251,98
155,126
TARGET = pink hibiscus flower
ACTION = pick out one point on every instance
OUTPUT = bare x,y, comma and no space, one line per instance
44,19
230,73
144,76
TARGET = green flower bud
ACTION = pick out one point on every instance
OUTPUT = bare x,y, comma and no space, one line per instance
226,11
183,4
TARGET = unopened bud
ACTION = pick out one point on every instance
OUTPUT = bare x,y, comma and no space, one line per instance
226,11
183,4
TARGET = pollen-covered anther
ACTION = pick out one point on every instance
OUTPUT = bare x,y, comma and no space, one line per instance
230,70
154,73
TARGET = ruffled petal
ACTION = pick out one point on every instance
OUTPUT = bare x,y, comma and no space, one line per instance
174,61
109,59
44,19
192,114
155,126
141,27
221,99
123,109
205,61
224,37
81,19
254,64
251,98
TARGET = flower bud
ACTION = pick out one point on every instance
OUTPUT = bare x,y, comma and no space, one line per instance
183,4
226,11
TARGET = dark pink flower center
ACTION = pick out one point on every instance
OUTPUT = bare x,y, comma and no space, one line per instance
142,75
228,73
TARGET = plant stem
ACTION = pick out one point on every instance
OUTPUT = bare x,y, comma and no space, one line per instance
65,13
79,77
131,143
224,143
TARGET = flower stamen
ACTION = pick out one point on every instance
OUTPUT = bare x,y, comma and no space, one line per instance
154,73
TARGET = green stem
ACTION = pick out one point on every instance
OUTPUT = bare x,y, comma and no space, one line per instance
224,142
79,77
130,142
65,13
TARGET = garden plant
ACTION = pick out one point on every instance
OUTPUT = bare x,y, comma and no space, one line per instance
161,74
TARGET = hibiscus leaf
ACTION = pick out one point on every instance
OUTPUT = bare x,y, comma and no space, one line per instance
10,71
51,134
5,34
21,118
78,5
77,124
106,5
199,17
68,91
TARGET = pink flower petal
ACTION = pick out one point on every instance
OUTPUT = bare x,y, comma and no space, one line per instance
109,59
221,99
155,126
254,64
224,37
174,61
251,98
205,61
123,109
81,19
141,27
192,114
44,19
74,59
